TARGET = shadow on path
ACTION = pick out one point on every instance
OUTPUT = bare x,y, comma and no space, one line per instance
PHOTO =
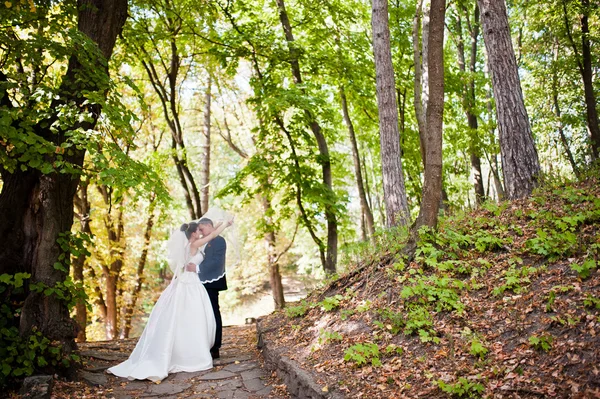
238,374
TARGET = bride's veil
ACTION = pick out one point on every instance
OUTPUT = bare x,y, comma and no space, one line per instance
177,251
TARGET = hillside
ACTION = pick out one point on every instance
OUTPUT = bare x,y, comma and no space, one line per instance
502,302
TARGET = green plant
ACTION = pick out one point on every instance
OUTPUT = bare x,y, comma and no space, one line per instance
393,349
477,348
328,336
552,244
591,302
331,302
541,342
463,388
298,310
585,269
419,320
390,320
515,277
345,313
362,353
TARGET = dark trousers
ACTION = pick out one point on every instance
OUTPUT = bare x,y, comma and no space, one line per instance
214,301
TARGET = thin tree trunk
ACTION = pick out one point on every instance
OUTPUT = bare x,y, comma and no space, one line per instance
272,257
111,268
324,158
469,100
584,63
432,187
83,206
520,163
205,161
365,210
418,87
396,203
130,306
557,111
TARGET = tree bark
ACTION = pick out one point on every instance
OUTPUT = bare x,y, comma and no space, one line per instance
36,208
364,205
396,203
111,267
137,288
432,187
584,63
557,111
324,158
469,99
272,257
418,87
205,161
520,163
83,206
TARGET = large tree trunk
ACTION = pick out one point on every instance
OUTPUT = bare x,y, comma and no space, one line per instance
35,209
364,205
394,190
520,163
205,161
324,159
432,187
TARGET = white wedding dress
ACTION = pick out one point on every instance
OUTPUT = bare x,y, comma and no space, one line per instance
179,332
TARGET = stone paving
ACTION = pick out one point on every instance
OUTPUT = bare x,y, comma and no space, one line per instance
236,375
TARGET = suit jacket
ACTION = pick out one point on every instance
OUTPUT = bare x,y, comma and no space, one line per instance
214,259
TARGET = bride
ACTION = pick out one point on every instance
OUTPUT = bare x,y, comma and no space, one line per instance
181,327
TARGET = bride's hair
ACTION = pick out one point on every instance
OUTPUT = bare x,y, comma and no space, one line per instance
189,228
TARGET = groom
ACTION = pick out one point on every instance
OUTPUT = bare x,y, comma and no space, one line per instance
212,275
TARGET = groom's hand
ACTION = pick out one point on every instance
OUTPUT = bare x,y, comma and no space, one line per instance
191,267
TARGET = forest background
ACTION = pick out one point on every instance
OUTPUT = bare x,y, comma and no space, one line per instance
150,112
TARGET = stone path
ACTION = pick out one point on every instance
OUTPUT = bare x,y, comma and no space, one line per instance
238,374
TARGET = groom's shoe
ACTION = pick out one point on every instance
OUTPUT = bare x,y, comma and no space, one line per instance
214,353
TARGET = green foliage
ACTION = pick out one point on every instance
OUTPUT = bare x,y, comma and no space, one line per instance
21,356
515,277
552,243
363,353
541,342
390,320
330,303
419,320
298,310
585,269
463,388
329,336
477,348
591,301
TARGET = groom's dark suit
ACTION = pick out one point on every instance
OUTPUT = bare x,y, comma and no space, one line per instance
214,258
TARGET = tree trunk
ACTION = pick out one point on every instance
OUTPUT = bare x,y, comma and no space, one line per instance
584,63
205,161
396,203
36,209
520,163
83,206
432,187
469,100
418,87
111,267
130,306
324,159
365,209
272,257
557,111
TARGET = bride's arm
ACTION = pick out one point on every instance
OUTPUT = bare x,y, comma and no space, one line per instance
218,230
